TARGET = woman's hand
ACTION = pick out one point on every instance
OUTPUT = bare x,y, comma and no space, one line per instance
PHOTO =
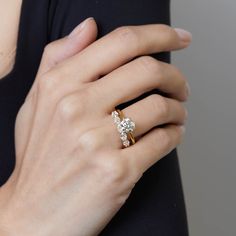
72,175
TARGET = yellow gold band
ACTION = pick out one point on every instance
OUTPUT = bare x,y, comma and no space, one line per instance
130,134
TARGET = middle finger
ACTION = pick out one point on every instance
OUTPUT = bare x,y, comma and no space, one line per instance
137,77
120,46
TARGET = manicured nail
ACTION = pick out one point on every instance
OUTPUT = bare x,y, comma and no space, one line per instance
188,89
183,129
186,114
184,35
80,27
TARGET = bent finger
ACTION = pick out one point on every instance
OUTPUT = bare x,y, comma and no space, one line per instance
137,77
153,146
155,110
122,45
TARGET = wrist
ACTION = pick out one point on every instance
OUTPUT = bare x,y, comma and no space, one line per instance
3,214
10,219
16,219
11,225
4,197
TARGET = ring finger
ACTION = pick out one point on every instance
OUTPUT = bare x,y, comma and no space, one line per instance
150,112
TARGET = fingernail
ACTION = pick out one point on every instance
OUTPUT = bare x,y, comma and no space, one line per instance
184,35
186,114
80,27
188,90
183,129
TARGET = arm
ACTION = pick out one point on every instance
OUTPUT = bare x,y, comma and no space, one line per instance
31,152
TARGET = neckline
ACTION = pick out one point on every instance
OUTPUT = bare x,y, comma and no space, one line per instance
7,78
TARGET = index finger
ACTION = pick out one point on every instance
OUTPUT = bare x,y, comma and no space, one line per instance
122,45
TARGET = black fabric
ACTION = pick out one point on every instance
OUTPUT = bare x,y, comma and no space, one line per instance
156,205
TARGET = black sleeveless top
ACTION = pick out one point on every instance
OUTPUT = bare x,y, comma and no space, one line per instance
156,205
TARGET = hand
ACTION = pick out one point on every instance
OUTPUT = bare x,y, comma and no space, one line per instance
72,174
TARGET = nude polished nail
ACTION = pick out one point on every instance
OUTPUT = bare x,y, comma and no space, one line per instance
80,27
183,129
184,35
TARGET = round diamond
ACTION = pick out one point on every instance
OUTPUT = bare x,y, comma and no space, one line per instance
126,125
123,137
115,114
120,128
117,120
126,143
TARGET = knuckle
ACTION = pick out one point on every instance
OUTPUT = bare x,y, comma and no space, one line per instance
47,83
48,51
165,138
150,64
126,33
110,168
90,141
67,108
160,106
48,47
128,37
73,106
114,169
163,106
181,82
167,35
179,74
163,28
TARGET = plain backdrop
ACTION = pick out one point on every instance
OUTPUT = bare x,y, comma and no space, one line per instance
207,155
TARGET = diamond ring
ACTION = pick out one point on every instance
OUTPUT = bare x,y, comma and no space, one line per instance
125,127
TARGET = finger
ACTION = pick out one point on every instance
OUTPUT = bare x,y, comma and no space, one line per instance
59,50
137,77
153,111
122,45
83,35
153,146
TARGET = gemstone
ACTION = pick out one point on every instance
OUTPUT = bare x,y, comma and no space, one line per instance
126,126
123,137
117,120
126,143
115,114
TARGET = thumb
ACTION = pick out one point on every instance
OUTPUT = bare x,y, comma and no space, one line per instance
83,35
57,51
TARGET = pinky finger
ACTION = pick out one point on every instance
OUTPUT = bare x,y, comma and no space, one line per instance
153,146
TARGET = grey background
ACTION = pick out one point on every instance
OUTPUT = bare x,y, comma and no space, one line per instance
207,155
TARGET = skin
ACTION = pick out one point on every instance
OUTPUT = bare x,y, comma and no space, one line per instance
8,37
72,174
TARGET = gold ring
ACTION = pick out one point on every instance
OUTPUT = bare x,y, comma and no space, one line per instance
125,126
